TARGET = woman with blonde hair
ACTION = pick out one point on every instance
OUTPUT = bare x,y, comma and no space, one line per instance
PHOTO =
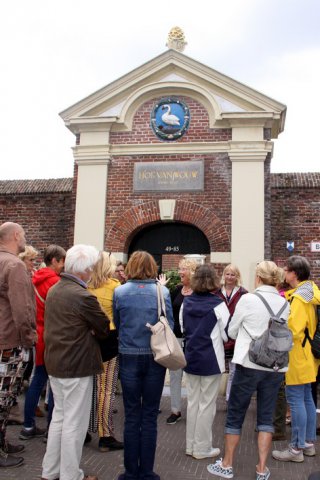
28,256
186,270
135,304
231,291
250,320
102,286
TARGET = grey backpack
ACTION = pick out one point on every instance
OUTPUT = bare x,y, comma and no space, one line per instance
271,349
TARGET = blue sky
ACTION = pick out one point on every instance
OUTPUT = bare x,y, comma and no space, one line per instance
53,54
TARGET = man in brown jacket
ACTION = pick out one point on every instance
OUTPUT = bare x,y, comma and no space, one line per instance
73,322
17,329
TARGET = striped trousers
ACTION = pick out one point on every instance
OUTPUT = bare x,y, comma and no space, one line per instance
106,386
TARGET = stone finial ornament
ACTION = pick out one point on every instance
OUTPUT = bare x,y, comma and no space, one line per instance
176,39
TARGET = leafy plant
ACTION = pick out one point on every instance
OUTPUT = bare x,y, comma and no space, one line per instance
174,277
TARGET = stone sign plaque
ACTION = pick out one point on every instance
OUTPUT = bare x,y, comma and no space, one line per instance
168,176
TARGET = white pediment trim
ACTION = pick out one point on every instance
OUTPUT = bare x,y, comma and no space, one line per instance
169,88
180,74
226,106
173,77
113,111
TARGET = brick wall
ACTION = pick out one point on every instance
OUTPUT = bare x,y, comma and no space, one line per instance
45,208
267,208
210,210
46,216
129,211
295,205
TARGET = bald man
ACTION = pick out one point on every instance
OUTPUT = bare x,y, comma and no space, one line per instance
17,330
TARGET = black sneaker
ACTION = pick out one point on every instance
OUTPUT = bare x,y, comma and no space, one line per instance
109,443
32,433
174,418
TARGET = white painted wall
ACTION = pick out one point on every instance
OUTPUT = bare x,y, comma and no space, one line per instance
247,232
91,205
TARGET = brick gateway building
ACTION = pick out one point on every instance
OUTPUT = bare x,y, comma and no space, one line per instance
174,157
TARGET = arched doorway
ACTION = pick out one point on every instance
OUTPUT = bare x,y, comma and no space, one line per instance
170,239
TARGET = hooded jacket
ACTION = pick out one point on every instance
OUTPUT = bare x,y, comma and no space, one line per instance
303,299
42,280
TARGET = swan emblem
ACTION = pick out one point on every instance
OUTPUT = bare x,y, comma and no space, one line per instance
168,117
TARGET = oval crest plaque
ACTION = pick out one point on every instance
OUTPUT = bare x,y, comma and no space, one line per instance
170,118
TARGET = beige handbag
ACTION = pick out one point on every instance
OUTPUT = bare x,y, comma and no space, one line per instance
164,344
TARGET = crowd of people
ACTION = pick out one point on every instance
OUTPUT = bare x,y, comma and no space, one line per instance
80,320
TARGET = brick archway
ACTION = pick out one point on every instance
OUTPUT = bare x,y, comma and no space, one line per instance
131,221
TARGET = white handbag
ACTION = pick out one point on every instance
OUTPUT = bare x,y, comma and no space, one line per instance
164,344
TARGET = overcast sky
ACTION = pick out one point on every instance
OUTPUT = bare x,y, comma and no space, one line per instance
53,54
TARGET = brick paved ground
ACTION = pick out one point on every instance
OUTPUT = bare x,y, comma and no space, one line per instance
171,461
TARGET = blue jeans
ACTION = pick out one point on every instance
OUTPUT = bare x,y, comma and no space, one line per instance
245,382
142,382
32,397
303,414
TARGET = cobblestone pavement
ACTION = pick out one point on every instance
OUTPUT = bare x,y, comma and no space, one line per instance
171,461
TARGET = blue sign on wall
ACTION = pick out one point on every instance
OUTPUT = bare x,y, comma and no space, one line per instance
170,118
290,246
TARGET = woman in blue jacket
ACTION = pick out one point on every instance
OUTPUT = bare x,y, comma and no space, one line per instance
142,379
204,317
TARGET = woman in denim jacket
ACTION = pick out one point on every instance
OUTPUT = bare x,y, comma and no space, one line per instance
142,379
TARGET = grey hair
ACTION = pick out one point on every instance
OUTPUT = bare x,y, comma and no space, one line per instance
81,259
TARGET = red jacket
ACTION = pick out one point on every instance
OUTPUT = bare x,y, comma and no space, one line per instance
43,280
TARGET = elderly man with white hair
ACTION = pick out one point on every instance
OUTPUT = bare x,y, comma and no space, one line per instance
73,322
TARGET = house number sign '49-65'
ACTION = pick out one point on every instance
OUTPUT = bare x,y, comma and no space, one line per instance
175,248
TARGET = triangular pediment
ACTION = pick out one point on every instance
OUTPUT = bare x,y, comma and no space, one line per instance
174,73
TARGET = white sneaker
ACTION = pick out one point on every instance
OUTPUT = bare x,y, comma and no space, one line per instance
214,452
220,471
288,455
309,450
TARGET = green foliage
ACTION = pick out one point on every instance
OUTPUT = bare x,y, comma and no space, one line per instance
174,279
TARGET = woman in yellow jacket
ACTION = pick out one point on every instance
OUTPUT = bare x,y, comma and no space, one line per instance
303,297
102,286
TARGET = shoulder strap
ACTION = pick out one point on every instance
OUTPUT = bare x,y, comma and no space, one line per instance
244,328
161,304
306,330
266,304
38,295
